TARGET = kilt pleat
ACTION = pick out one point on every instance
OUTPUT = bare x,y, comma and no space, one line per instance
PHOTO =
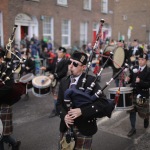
6,118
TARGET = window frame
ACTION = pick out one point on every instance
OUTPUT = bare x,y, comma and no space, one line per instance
1,29
51,33
62,2
83,35
63,35
87,3
104,6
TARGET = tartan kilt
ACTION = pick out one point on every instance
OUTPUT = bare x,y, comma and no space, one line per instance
81,142
6,118
55,89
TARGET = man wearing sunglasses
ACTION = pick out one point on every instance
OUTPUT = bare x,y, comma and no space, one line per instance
81,119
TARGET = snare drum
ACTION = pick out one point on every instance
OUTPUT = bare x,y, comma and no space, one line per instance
41,86
1,129
27,79
125,101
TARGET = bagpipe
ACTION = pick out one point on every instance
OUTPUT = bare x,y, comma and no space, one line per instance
10,92
81,97
77,98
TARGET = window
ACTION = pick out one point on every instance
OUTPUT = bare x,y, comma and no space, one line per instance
1,30
83,33
62,2
66,33
33,0
87,4
48,28
104,6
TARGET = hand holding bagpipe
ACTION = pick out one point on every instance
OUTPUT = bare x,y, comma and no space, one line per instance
69,123
80,98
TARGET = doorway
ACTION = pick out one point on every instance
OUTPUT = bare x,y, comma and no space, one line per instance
24,31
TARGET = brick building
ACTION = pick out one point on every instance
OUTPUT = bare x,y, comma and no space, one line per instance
134,14
72,22
64,22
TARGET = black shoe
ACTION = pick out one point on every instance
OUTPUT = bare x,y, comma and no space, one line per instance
146,123
131,132
16,146
53,114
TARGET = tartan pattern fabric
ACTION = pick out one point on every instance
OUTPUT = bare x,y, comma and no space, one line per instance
82,142
6,118
55,89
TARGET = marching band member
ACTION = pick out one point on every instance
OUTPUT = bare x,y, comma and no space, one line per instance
134,52
59,69
6,115
140,81
83,119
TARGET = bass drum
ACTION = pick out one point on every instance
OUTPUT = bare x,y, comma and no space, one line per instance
118,56
1,129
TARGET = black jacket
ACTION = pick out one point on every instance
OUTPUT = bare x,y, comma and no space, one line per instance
143,86
59,69
86,123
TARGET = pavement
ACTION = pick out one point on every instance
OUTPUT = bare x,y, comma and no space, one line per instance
29,114
119,125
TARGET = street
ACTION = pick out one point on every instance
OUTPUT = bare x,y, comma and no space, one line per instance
39,132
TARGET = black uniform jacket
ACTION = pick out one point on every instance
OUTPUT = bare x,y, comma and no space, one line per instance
130,53
143,86
6,88
138,52
59,69
86,123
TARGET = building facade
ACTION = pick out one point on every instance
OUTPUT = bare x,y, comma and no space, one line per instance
131,20
73,22
64,22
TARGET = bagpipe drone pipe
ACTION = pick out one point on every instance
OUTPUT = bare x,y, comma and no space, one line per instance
10,92
81,97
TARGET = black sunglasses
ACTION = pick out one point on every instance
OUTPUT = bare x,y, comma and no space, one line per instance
75,64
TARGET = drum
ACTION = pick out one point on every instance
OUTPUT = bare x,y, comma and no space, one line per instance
54,81
118,57
1,129
41,86
125,101
27,79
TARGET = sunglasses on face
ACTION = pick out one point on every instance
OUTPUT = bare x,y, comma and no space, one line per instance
75,64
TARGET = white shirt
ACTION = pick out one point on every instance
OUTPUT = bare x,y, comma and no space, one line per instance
76,80
135,49
141,68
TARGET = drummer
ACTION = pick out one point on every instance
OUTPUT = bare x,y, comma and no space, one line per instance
59,69
140,81
134,51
